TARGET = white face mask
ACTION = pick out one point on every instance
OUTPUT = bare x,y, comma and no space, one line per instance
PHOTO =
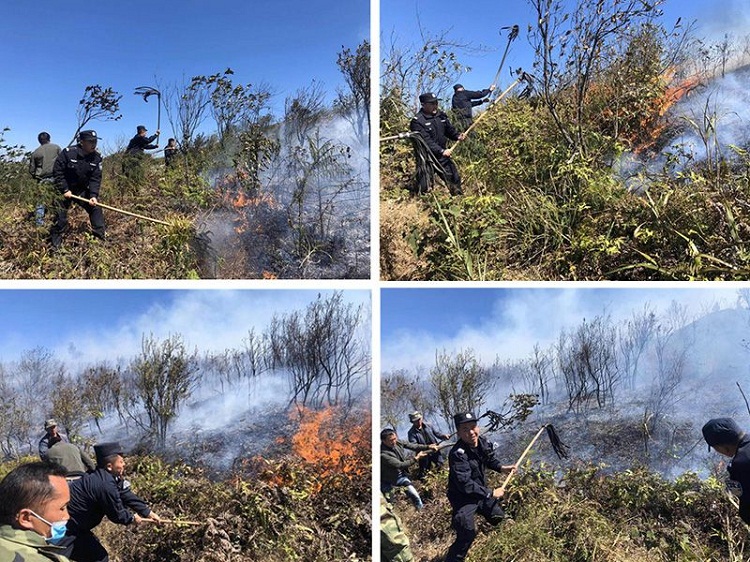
57,529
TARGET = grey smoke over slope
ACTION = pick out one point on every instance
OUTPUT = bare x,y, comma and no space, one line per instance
685,375
316,189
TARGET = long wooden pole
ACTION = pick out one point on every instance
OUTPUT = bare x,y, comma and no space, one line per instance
172,522
518,462
478,119
124,212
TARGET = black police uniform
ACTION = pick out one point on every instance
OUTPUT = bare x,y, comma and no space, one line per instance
138,144
739,474
82,175
93,496
462,103
468,493
436,130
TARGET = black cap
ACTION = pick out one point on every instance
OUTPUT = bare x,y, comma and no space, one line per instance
464,417
457,86
89,135
104,450
428,98
140,128
721,431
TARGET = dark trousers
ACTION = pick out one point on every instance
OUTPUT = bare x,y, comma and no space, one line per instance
96,218
451,175
84,547
426,463
466,531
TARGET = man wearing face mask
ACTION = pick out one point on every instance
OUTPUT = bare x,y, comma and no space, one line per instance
435,129
33,513
99,493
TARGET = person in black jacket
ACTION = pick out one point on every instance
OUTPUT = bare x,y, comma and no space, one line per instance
394,465
141,142
99,493
435,129
726,437
467,489
422,433
78,171
133,163
463,100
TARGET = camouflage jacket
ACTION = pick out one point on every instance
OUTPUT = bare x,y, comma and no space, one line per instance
394,544
17,545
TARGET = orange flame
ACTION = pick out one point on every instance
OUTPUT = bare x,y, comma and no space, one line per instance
672,94
333,443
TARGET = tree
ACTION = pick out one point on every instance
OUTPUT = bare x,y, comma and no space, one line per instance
587,358
97,103
303,112
459,383
186,106
160,379
354,105
326,357
569,54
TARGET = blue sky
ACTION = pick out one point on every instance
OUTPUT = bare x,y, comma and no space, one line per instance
417,322
479,23
89,325
53,51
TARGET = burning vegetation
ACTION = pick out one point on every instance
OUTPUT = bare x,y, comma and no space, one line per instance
638,483
255,452
627,161
262,197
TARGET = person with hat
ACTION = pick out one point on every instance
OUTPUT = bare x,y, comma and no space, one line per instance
463,100
141,142
726,437
132,164
468,492
435,129
33,513
99,493
394,465
52,435
422,433
78,171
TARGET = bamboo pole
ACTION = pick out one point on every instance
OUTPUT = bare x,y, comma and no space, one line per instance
124,212
173,522
478,119
518,462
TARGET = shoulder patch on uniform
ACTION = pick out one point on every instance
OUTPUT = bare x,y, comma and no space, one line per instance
460,451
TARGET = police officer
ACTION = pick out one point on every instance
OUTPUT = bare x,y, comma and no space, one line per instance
141,142
463,100
424,434
33,513
78,171
102,492
40,167
467,489
394,464
435,129
724,435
